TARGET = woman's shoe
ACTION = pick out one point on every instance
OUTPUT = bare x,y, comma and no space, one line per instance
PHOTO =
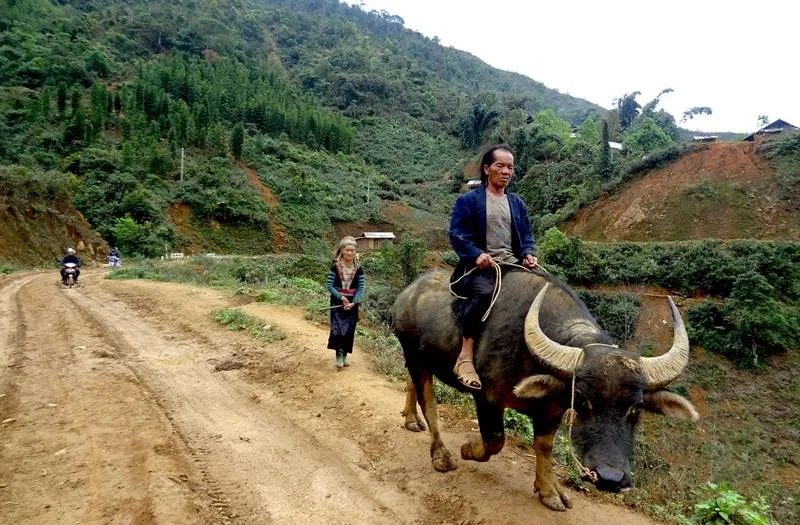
339,359
345,361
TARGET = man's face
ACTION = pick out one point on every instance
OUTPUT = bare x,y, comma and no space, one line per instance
501,170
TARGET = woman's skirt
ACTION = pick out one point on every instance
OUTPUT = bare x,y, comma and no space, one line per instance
343,327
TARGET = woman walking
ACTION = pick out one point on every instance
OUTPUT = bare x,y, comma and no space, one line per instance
345,283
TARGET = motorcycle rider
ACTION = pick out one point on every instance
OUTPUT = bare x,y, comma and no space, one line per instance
70,257
114,259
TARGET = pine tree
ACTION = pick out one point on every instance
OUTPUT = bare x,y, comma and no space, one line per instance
75,132
44,102
99,96
76,99
606,166
61,98
237,140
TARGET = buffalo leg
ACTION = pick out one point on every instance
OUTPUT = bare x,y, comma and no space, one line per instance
441,458
492,439
413,420
551,494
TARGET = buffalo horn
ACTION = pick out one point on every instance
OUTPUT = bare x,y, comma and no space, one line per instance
561,358
662,370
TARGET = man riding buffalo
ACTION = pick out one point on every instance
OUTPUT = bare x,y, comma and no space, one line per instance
538,351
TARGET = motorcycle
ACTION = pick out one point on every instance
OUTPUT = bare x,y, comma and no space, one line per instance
114,261
70,272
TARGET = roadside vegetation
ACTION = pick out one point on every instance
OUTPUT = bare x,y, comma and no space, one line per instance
743,444
127,111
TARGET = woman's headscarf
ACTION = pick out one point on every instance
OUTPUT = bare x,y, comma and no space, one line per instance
348,240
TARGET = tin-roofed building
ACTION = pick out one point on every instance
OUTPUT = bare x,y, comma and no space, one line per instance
771,128
374,240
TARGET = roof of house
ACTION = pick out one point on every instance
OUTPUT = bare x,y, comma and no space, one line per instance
776,126
378,235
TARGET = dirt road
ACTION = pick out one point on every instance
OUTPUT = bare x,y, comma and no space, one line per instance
124,402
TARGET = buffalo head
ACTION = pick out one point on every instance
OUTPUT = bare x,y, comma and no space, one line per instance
612,387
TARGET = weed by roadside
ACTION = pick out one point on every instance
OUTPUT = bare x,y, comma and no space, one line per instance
726,506
237,320
6,268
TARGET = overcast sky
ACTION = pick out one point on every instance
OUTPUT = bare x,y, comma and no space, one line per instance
740,58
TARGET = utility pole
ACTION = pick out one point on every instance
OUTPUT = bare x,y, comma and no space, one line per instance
181,165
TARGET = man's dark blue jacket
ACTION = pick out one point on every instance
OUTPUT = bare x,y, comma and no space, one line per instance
468,228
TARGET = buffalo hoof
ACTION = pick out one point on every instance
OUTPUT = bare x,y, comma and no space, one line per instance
415,426
555,499
442,460
475,450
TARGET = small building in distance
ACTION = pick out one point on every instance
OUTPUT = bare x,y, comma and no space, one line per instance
774,127
705,138
374,240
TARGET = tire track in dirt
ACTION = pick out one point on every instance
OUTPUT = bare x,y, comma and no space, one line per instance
84,443
216,421
194,449
150,427
355,414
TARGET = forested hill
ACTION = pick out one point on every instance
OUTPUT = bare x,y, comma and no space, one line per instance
322,99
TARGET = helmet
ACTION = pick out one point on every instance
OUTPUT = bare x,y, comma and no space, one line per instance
71,251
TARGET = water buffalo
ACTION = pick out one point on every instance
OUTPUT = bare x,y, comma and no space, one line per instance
538,335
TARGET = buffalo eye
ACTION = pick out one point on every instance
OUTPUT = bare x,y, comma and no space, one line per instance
582,404
633,412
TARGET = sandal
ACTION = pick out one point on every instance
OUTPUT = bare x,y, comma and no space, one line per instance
469,379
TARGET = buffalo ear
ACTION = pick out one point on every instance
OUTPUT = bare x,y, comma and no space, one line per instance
539,386
670,404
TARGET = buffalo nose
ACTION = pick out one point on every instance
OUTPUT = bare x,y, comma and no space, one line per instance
610,475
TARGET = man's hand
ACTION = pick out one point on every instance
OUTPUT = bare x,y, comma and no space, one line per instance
530,261
484,261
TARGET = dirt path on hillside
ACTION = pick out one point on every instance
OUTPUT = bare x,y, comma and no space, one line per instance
281,240
123,402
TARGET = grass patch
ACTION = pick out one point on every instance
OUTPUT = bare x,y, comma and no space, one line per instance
6,268
748,437
237,320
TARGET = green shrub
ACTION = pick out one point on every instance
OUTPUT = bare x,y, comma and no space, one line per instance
22,183
616,313
234,318
519,425
658,159
450,258
567,258
725,506
378,302
784,153
307,266
218,190
145,240
237,320
749,326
